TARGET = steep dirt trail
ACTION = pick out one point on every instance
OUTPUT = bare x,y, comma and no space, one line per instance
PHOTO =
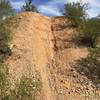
43,57
43,45
33,50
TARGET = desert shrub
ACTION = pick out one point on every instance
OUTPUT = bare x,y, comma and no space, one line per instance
88,30
91,32
25,90
4,32
4,82
94,53
4,41
29,6
76,13
5,9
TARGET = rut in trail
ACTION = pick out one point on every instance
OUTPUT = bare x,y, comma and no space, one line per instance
45,48
32,49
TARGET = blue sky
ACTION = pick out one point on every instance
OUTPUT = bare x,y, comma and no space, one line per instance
53,7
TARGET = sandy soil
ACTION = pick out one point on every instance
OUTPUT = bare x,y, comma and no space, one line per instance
43,45
32,50
71,85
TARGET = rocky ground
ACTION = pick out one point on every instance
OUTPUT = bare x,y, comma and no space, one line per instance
42,48
71,85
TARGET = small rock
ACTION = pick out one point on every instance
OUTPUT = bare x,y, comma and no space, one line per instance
68,92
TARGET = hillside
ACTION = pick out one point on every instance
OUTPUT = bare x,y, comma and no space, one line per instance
42,48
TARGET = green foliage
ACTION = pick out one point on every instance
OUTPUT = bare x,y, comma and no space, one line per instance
4,41
29,6
94,53
5,8
4,32
89,34
4,82
91,31
25,90
88,29
76,13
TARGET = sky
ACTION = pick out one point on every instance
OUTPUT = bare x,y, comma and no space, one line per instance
54,7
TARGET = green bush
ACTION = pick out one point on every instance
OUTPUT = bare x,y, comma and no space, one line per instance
29,6
5,37
94,53
91,32
4,82
25,90
5,9
76,13
88,29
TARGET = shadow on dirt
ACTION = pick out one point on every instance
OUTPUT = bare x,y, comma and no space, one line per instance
89,68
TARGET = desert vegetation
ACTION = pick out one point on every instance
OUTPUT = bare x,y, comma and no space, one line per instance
88,30
5,9
29,6
87,33
76,13
27,87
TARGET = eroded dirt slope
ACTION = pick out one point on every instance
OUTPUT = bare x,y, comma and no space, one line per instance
42,47
71,85
32,50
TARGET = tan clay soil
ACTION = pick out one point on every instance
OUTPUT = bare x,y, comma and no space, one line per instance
41,45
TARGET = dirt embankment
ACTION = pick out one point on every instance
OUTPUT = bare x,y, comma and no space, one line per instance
42,45
32,50
71,85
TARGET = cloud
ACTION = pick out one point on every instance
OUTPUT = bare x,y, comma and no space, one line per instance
48,10
94,6
17,4
53,7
